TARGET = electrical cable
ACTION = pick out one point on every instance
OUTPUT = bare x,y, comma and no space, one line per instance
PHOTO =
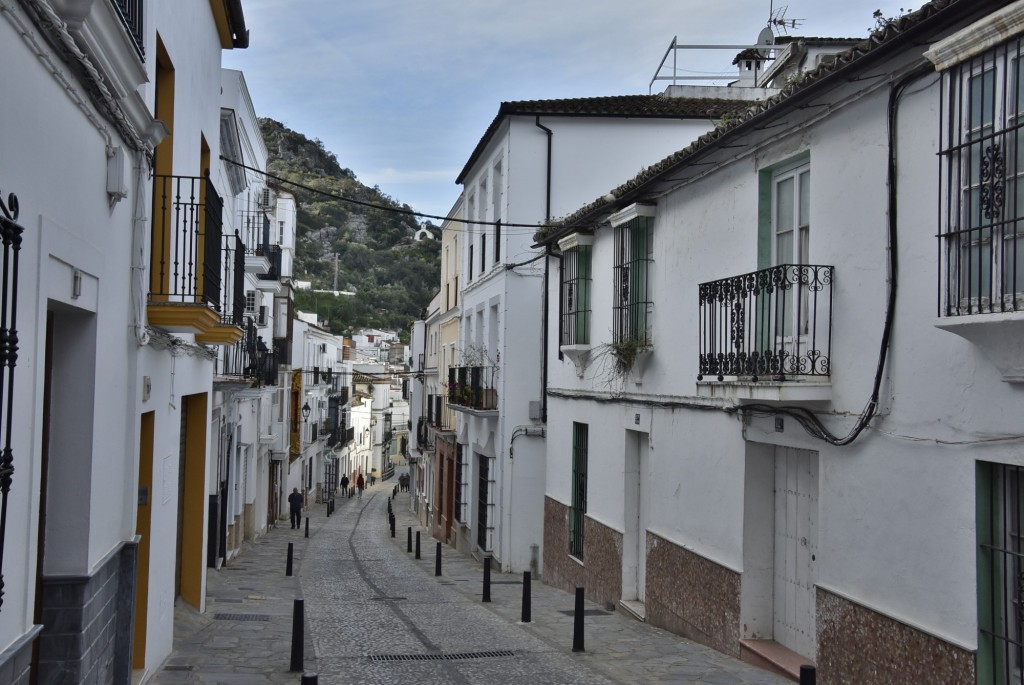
807,419
384,208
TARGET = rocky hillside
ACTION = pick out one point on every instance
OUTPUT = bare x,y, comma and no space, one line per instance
393,275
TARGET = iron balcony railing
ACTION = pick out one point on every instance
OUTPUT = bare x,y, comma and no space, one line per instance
473,387
249,359
130,12
234,264
438,413
255,228
768,324
11,234
185,264
350,435
273,254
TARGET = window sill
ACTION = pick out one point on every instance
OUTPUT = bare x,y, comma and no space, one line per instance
579,355
577,560
996,335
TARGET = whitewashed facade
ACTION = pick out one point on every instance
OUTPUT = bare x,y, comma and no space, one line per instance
770,430
565,152
111,411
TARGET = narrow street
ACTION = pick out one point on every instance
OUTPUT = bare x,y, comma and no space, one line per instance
375,614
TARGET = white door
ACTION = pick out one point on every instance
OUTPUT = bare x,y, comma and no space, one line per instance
796,549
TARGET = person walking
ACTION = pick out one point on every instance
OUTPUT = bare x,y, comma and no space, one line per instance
295,504
360,484
344,486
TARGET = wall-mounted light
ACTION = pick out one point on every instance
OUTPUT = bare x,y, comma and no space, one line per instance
305,412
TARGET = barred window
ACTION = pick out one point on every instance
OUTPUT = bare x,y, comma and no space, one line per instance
982,197
633,256
580,438
574,299
1000,572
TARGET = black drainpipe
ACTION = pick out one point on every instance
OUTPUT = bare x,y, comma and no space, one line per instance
544,295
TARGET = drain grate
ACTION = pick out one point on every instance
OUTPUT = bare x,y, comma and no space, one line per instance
441,657
587,612
178,668
240,617
387,599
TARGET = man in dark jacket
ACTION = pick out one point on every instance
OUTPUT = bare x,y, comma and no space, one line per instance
295,503
344,486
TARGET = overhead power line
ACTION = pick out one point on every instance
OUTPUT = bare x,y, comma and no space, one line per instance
384,208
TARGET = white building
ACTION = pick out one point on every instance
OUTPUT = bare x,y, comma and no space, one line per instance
783,423
111,410
566,152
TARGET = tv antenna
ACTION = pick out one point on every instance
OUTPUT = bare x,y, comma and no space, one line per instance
777,20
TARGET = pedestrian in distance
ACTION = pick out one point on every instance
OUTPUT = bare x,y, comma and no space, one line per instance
344,485
360,484
295,504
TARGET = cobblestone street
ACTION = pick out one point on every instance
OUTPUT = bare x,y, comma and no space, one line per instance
375,614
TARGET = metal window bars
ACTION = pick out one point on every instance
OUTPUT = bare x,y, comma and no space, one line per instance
578,510
632,305
575,296
130,13
981,239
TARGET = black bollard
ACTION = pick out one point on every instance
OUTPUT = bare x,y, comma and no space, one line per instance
437,561
408,541
297,638
288,565
577,622
526,596
417,544
487,580
808,675
307,526
394,492
392,526
310,679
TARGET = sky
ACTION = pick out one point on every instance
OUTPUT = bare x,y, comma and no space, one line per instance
402,90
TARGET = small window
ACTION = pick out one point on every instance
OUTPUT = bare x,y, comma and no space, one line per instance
578,509
250,301
574,296
634,229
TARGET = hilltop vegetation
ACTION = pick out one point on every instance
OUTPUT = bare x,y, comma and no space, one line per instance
373,250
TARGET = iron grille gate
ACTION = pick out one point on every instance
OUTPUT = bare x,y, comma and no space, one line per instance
10,232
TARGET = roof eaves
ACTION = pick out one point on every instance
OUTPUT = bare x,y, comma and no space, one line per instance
729,129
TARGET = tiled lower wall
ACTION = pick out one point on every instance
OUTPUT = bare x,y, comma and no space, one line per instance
87,624
600,574
859,646
16,660
692,596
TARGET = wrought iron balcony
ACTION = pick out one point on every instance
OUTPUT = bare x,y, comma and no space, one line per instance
473,387
249,359
186,253
439,415
273,255
767,325
130,12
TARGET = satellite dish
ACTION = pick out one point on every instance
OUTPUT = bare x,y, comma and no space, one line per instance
766,37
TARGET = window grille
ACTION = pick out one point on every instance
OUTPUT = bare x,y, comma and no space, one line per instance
579,488
575,296
982,193
460,486
1000,574
632,304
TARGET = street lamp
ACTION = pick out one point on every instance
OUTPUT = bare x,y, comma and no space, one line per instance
305,412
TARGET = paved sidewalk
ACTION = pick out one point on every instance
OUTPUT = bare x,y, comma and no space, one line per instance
617,646
374,614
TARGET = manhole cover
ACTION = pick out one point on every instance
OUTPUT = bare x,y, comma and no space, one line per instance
441,657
